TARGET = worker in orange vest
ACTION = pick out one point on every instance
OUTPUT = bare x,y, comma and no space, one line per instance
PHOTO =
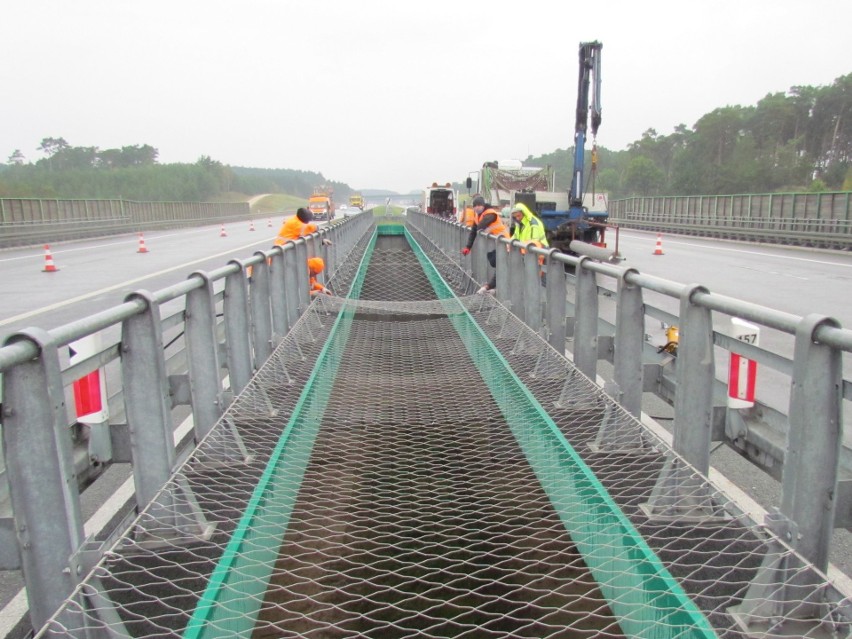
293,228
488,220
297,226
468,216
316,265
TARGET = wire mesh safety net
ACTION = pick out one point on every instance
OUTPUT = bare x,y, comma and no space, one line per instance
413,465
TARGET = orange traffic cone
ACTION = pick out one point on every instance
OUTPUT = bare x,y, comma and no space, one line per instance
49,266
222,232
142,248
251,225
659,249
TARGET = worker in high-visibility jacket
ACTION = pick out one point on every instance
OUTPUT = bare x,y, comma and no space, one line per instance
488,220
528,229
297,226
316,265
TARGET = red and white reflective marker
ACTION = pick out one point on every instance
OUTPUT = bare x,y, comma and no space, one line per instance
742,372
90,395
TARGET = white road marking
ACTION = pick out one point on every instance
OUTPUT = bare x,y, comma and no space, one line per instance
124,284
777,273
735,250
134,240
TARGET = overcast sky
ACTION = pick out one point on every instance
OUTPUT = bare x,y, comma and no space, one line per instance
391,94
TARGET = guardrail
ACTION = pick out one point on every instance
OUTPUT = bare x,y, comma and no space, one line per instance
195,343
172,349
803,448
822,220
38,221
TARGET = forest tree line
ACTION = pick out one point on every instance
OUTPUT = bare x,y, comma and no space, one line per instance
133,173
798,140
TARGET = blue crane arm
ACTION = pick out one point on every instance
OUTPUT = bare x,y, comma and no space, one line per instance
590,67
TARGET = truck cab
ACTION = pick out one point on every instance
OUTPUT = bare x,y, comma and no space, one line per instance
321,205
440,200
357,201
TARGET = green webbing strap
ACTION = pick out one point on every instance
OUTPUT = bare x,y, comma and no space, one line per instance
641,592
234,594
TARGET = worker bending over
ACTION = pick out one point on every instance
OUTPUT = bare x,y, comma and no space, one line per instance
527,229
315,267
488,220
296,226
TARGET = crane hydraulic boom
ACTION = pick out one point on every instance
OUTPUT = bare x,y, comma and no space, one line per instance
590,69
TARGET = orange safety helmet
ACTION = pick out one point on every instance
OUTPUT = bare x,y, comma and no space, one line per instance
315,265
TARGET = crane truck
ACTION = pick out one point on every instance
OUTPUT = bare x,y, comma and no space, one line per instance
582,223
567,216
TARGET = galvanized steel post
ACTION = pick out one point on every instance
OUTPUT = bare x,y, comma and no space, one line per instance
448,238
237,344
695,373
291,284
516,281
43,485
629,337
586,320
814,441
329,254
147,402
205,386
480,258
556,303
301,250
261,319
503,292
532,291
277,298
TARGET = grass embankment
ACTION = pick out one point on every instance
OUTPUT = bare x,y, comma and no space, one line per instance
231,196
271,205
278,204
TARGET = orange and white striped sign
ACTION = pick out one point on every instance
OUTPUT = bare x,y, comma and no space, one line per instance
90,393
742,372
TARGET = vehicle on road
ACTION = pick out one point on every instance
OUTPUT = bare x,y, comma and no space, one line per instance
440,200
567,215
321,203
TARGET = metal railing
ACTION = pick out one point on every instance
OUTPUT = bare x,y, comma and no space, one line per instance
196,343
807,219
803,448
38,221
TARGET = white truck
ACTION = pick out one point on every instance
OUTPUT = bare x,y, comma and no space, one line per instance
440,200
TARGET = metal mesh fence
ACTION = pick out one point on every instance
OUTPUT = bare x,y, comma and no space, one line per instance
415,464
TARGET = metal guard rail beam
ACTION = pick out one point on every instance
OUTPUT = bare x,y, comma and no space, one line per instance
41,221
822,219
